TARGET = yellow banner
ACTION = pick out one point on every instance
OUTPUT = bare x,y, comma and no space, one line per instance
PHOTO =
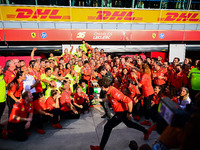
20,13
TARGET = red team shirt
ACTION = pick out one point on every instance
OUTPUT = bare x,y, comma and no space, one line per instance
49,102
80,99
117,99
64,99
38,105
177,80
86,71
162,72
9,76
21,109
67,58
15,91
147,88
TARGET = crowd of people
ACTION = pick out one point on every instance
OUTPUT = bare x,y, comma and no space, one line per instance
62,87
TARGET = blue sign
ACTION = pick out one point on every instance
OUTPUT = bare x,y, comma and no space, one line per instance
43,35
162,35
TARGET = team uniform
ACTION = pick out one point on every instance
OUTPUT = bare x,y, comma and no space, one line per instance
17,127
66,112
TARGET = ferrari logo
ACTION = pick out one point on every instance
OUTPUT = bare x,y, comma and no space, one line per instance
153,35
33,34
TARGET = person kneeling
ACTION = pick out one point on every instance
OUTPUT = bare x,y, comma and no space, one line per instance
53,107
81,100
68,111
18,122
40,113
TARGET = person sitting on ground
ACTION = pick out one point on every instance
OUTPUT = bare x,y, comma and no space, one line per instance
81,100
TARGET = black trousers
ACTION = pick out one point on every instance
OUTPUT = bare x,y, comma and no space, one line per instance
39,119
2,107
85,107
10,103
147,106
154,112
114,121
56,114
69,115
192,95
17,131
103,95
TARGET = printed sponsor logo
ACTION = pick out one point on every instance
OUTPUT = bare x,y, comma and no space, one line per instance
33,34
43,35
153,35
37,14
180,17
162,35
116,15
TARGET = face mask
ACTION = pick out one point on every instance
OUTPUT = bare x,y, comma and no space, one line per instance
177,70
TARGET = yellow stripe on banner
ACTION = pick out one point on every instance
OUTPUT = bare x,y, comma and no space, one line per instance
69,14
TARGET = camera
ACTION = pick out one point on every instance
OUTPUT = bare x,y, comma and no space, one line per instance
170,113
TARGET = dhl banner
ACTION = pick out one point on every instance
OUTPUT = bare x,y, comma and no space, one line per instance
70,14
97,35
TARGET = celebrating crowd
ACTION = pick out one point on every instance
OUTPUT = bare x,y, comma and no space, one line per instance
62,87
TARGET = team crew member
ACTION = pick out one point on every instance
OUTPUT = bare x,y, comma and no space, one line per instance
21,117
159,75
194,82
122,106
81,100
29,83
147,92
40,113
35,72
15,89
47,77
2,92
177,79
9,74
104,73
53,107
68,111
67,56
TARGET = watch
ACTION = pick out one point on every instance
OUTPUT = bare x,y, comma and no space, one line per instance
129,112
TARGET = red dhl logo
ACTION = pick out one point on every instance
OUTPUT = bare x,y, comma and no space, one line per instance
116,15
37,14
180,17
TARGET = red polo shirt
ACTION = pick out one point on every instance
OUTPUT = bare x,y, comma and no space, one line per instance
38,105
9,76
163,73
49,102
86,73
80,99
15,91
133,91
117,99
177,80
64,99
147,88
67,58
21,109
